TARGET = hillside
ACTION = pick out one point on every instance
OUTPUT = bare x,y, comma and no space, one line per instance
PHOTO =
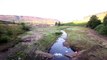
86,18
27,19
99,15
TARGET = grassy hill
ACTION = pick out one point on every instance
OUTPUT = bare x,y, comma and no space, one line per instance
86,18
99,15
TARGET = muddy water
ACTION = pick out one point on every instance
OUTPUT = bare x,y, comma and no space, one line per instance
59,50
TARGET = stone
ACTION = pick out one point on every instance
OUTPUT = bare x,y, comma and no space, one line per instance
73,55
44,54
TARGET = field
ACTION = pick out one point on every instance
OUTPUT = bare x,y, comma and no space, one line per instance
93,44
80,39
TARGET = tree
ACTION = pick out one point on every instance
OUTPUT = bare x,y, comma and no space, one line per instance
93,22
56,23
59,23
105,20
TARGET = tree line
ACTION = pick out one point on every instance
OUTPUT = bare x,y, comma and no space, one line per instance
95,23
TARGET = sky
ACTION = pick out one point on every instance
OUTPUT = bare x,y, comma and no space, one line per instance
63,10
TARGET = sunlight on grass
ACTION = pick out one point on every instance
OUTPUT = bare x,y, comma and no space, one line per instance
79,40
49,38
78,37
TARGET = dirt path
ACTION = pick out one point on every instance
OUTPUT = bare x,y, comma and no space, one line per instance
95,34
99,38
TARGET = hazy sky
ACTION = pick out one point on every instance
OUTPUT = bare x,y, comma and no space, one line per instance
64,10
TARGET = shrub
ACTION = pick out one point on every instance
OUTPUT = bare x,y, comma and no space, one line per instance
14,30
105,20
25,27
93,22
58,33
2,29
101,29
56,23
4,38
9,32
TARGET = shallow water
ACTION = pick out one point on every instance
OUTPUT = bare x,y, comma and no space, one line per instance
59,50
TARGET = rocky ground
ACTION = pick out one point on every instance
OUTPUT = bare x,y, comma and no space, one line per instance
39,38
27,44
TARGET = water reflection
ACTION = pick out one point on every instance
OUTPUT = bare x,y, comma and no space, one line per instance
59,50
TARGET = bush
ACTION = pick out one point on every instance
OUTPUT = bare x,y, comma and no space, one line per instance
58,33
93,22
105,20
4,38
14,30
9,32
101,29
2,29
25,27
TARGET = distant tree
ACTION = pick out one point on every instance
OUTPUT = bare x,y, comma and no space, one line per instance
56,23
102,28
93,22
59,23
105,20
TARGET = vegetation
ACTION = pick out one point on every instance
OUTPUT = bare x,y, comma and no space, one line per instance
25,27
45,43
93,22
102,28
79,39
58,33
105,21
57,23
9,32
73,24
50,36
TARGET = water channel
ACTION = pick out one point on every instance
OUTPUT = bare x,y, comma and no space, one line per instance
59,50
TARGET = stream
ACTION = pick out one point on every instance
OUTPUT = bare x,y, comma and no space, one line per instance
59,50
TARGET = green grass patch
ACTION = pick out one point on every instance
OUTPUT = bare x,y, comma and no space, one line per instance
74,24
78,38
45,43
50,36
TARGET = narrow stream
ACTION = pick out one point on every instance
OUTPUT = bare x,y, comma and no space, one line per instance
59,50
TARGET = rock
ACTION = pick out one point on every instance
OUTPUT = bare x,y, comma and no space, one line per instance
66,44
44,54
104,44
73,55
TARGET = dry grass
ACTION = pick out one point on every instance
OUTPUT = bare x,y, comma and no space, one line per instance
80,39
